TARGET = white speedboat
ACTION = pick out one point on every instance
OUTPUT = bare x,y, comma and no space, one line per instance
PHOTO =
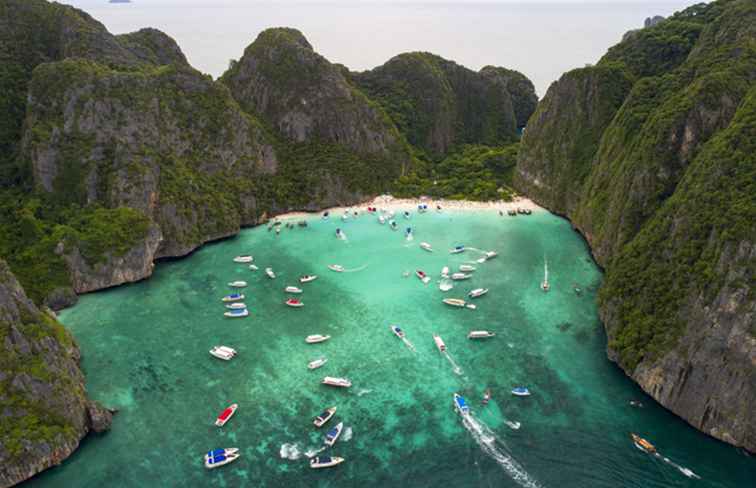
244,259
223,352
461,276
238,284
478,292
236,305
307,278
226,415
396,330
336,267
215,459
426,246
457,250
445,285
236,313
445,271
315,364
466,267
422,276
340,382
381,219
234,297
253,267
333,434
293,302
454,302
324,417
520,391
325,461
314,339
491,254
480,334
270,273
439,343
292,289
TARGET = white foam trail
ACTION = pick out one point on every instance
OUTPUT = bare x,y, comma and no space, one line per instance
410,237
687,472
491,445
347,435
363,391
354,270
409,344
314,451
512,425
290,451
456,367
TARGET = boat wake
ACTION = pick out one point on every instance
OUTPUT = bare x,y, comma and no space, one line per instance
687,472
315,451
409,345
364,391
290,451
455,366
347,435
497,450
355,270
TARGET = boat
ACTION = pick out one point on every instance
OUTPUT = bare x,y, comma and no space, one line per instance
236,305
278,230
314,339
253,267
439,343
293,302
461,405
423,277
333,435
238,284
219,459
325,215
486,397
324,417
457,250
445,271
244,259
491,254
226,415
325,461
315,364
643,444
520,391
511,213
336,267
527,211
307,278
466,267
545,283
345,216
292,289
460,276
223,352
445,285
236,313
426,246
340,382
454,302
381,219
393,225
480,334
408,232
406,214
302,223
234,297
222,451
270,273
396,330
478,292
339,234
501,213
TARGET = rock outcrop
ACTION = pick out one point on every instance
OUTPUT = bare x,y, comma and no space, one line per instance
44,410
656,165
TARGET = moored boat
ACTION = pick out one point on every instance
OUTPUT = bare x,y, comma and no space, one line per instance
381,219
270,273
466,267
236,313
223,352
333,435
396,330
226,415
315,364
457,250
340,234
445,285
224,451
324,417
293,302
233,297
325,215
422,276
478,292
244,259
454,302
336,267
461,405
292,289
520,391
480,334
315,338
460,276
307,278
340,382
426,246
215,459
325,461
486,397
643,444
236,305
491,254
253,267
237,284
439,343
445,271
406,214
393,225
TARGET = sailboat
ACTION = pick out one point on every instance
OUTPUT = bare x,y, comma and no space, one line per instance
545,283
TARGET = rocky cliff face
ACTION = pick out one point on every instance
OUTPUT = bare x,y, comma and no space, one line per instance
439,104
656,166
44,411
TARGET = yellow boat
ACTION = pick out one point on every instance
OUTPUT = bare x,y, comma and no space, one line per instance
643,444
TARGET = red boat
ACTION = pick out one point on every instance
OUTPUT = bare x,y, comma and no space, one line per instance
421,274
226,415
293,302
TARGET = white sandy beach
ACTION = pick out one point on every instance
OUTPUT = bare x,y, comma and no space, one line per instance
389,203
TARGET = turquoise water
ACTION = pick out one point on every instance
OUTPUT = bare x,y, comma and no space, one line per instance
145,351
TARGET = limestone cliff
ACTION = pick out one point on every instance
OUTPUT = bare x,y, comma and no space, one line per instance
44,410
651,155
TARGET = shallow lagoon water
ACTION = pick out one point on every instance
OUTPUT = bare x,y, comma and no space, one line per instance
145,351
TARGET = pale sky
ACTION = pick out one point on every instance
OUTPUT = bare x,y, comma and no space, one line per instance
540,39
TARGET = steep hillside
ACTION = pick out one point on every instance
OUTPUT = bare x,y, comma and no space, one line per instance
44,411
650,154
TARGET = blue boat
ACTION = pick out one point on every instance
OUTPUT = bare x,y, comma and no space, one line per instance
520,391
333,434
457,250
461,405
234,297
